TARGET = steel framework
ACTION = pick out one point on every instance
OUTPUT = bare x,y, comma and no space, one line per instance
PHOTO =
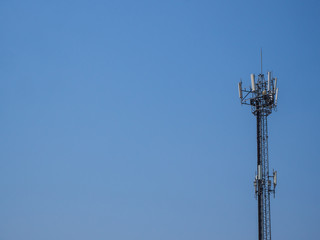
262,97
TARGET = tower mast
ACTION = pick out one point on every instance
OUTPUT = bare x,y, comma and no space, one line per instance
262,97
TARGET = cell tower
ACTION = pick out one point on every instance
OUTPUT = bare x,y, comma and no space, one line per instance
262,96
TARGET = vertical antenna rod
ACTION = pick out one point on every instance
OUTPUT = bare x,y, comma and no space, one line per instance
261,59
262,97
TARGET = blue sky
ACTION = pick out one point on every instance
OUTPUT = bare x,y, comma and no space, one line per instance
121,119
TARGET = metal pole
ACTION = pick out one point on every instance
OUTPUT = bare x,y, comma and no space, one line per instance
259,183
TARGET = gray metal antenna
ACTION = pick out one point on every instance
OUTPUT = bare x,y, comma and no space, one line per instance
261,59
262,97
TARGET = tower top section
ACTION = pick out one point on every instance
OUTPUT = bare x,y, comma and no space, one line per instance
262,95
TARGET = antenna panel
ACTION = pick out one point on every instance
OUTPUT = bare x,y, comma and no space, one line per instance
269,79
253,85
240,89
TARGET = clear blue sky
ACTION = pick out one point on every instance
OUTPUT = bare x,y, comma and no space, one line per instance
121,119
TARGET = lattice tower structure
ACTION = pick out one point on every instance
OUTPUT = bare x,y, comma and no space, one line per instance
262,97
